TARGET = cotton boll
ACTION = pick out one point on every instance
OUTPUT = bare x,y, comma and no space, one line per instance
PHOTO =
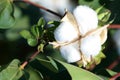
71,52
65,32
86,18
90,46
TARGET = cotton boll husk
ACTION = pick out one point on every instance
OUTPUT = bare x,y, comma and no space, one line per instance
90,46
102,32
86,18
71,52
103,36
65,32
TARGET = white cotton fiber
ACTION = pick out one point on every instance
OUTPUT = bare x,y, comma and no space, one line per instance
86,18
71,52
65,32
90,46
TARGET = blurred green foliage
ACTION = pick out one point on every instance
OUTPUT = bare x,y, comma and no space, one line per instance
6,14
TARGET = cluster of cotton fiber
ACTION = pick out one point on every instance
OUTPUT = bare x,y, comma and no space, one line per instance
78,36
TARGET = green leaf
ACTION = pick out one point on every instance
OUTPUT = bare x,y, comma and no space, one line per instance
93,3
79,73
32,42
34,74
25,34
12,72
55,23
112,73
50,30
53,62
33,31
50,64
99,9
104,77
99,57
6,14
36,31
22,23
41,22
104,17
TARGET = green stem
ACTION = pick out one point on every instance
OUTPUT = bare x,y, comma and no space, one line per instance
115,77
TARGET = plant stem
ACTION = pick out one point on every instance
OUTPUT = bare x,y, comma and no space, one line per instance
114,26
115,76
41,7
116,62
29,59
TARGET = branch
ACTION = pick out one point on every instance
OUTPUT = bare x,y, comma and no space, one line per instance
41,7
114,26
115,77
115,63
29,59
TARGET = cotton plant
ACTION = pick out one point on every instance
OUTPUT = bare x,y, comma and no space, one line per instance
79,37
